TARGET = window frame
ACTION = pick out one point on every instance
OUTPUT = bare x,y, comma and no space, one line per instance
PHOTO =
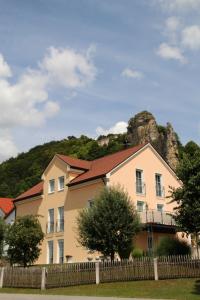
51,223
59,185
159,186
60,225
139,181
60,241
143,203
50,260
50,191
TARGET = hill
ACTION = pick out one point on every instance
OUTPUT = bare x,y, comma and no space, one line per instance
20,173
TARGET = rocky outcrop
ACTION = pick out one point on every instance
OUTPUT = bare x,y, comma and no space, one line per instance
143,128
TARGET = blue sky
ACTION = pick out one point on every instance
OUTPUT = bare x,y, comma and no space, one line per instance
72,67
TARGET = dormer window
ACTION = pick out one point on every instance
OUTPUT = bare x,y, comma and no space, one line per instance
51,186
61,183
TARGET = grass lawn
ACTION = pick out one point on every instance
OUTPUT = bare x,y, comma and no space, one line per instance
179,289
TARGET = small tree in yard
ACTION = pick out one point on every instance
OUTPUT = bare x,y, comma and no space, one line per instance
24,237
110,225
188,195
2,235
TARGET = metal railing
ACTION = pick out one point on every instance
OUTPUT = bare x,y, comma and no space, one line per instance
157,217
140,188
60,225
50,227
160,190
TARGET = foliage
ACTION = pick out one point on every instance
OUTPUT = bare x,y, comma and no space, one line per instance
110,225
137,253
20,173
172,246
2,235
23,238
187,196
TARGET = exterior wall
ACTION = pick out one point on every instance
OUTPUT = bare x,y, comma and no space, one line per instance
10,218
150,164
76,198
73,200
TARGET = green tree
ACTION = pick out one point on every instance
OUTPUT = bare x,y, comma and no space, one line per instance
187,196
110,225
23,238
2,235
172,246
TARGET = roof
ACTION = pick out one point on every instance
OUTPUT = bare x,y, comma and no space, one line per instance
75,162
34,191
104,165
92,169
6,205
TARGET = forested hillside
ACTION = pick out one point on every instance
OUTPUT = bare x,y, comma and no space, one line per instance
20,173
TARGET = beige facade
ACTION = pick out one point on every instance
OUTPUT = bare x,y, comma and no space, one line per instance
78,196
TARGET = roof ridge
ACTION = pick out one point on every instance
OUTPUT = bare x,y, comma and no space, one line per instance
139,145
58,154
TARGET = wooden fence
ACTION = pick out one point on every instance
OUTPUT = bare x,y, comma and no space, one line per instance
95,272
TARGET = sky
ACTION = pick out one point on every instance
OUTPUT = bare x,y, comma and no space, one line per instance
72,67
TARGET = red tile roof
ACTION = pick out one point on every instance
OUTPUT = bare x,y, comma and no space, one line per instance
6,205
34,191
104,165
92,169
75,162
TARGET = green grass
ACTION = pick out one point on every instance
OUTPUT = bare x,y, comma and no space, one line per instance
179,289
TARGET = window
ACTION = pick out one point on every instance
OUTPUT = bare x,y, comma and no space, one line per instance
139,183
60,222
160,207
50,252
61,183
90,203
140,206
51,186
50,227
158,178
60,251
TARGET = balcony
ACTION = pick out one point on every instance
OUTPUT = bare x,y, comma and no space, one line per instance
157,217
140,188
50,227
60,225
160,191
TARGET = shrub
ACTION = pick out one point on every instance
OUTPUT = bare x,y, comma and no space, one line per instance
173,246
137,253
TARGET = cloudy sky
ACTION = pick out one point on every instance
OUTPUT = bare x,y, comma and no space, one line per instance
72,67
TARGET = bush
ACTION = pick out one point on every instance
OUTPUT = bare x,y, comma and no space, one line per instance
173,246
137,253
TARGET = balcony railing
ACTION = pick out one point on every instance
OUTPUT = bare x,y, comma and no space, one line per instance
60,225
157,217
140,188
160,191
50,227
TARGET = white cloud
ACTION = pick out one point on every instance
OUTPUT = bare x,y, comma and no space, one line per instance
69,68
119,127
26,102
131,73
191,37
7,146
172,23
168,52
179,5
5,70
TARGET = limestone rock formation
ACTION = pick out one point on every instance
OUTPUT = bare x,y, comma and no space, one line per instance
143,128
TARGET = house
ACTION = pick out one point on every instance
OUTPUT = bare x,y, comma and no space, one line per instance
7,210
69,185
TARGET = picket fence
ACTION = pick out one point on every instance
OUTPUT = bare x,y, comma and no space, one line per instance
145,268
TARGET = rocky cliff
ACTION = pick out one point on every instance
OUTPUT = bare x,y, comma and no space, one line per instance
143,128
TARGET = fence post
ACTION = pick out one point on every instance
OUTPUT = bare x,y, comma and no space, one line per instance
155,267
97,272
1,277
43,279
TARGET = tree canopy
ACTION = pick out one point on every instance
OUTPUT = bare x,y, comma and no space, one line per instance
23,238
187,196
110,224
